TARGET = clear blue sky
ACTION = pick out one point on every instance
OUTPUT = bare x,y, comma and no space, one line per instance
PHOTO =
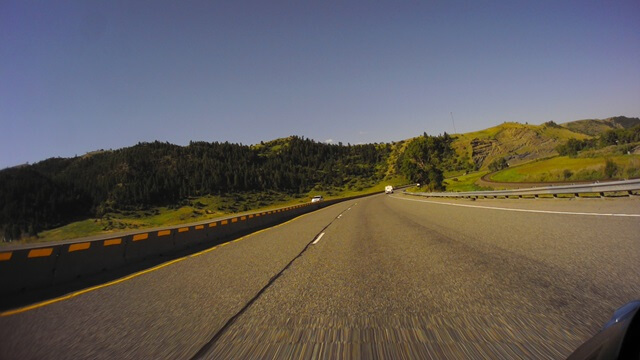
77,76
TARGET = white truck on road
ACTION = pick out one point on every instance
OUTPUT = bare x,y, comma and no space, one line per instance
388,189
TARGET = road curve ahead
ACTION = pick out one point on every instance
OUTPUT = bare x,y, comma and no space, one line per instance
380,277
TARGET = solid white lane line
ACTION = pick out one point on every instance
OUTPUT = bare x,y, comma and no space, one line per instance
318,239
519,210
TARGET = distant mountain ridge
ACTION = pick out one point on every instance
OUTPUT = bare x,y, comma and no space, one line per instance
595,127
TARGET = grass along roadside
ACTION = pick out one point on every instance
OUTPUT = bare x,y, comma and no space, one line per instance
465,182
564,168
196,209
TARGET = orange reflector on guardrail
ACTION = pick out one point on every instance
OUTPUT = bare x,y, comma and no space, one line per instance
184,229
224,222
164,232
6,256
243,218
139,237
111,242
234,220
40,252
213,224
199,227
81,246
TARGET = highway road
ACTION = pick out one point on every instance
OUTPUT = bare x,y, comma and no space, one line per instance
388,276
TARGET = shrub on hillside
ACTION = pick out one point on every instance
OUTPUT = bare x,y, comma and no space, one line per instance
566,174
588,174
423,160
573,146
498,164
633,172
610,169
620,136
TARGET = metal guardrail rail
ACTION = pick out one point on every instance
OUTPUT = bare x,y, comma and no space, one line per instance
627,186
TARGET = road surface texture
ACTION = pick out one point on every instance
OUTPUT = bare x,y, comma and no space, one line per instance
390,277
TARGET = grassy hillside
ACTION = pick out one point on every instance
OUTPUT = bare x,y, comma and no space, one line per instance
517,142
197,209
530,151
58,191
594,127
465,182
213,180
564,168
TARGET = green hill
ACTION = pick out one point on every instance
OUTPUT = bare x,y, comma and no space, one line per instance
58,191
563,168
517,142
596,127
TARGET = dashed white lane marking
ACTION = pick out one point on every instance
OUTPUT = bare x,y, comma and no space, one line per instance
339,216
519,210
318,239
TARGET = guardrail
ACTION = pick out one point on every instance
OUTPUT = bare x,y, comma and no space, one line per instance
43,265
627,186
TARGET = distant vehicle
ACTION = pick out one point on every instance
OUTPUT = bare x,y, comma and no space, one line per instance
388,189
317,198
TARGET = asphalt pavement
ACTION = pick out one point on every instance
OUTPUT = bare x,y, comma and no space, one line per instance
388,276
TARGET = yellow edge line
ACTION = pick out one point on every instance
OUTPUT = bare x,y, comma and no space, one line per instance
134,275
